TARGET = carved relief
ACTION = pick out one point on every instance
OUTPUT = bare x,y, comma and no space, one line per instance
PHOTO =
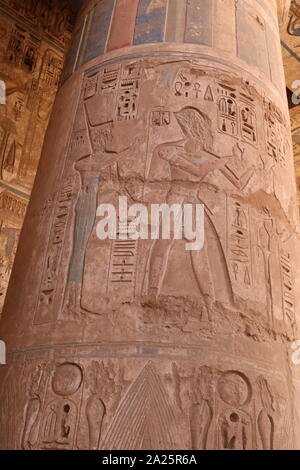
197,142
107,385
15,205
30,55
51,416
201,411
16,47
33,409
265,420
32,48
91,86
288,287
12,212
90,169
60,416
186,85
52,19
157,129
227,110
234,388
181,160
266,236
95,408
8,146
128,93
160,118
32,412
236,111
217,409
277,145
23,50
239,243
226,409
67,379
110,79
237,170
49,281
147,411
258,256
237,114
236,430
248,123
95,412
123,261
51,70
18,108
208,94
119,87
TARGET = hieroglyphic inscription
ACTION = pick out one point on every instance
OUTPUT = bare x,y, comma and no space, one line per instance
187,85
160,118
227,110
239,243
248,119
123,258
287,281
124,82
277,145
51,269
128,93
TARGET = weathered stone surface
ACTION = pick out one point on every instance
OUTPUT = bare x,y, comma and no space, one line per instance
142,344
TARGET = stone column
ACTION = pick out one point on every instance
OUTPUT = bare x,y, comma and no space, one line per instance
143,344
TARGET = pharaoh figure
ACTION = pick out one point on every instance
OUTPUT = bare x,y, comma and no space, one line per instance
89,169
189,160
101,165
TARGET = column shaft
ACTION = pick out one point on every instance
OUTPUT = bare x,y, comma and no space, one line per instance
143,344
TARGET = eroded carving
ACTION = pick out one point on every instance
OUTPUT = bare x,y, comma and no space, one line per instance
148,413
201,411
234,388
265,420
236,431
49,282
51,416
189,161
202,146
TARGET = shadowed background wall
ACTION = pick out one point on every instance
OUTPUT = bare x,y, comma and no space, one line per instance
34,37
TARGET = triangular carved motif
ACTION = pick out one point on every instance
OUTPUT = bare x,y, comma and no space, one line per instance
144,419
